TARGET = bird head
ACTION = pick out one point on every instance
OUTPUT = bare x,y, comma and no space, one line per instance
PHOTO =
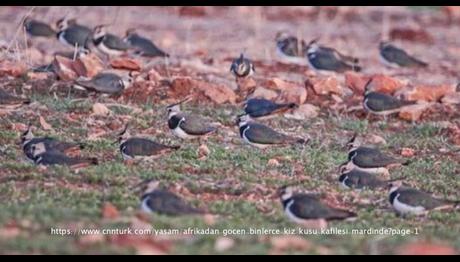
27,21
281,36
393,186
65,22
27,135
367,86
38,149
285,192
146,186
344,168
383,44
123,135
99,31
243,120
173,109
130,32
353,143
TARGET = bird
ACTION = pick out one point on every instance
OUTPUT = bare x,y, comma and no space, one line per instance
187,126
406,201
302,208
369,159
395,57
8,101
142,45
36,28
162,201
45,157
73,34
51,144
382,104
290,48
262,136
258,108
242,67
356,179
107,43
104,82
326,60
137,147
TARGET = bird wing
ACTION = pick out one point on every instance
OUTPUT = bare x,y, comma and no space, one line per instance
400,57
307,207
415,197
326,60
382,102
77,34
143,147
261,134
290,47
195,125
40,29
372,158
145,46
105,83
8,99
114,42
165,202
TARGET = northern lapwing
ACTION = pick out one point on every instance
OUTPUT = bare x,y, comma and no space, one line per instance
47,158
142,45
187,126
36,28
289,48
303,208
140,148
382,104
73,34
369,159
107,43
356,179
105,83
242,67
161,201
262,136
51,144
9,101
393,56
408,201
326,60
258,108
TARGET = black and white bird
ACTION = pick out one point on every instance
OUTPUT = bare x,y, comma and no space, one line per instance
326,60
107,43
105,83
143,46
242,67
262,136
259,108
187,126
36,28
302,208
51,144
44,157
382,104
140,148
161,201
356,179
290,49
73,34
393,56
410,201
369,159
9,101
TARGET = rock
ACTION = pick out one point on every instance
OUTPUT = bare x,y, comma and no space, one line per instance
261,92
196,11
44,124
385,84
305,111
289,92
64,68
39,75
430,93
326,86
125,63
453,98
154,76
413,112
217,93
100,110
356,82
375,139
88,65
273,162
223,244
14,69
203,152
413,35
34,55
407,152
421,248
109,211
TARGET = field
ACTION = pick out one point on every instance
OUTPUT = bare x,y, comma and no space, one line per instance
236,183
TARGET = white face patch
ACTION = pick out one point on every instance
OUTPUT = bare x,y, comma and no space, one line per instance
145,207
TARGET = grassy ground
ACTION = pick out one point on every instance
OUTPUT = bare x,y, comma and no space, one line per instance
234,182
